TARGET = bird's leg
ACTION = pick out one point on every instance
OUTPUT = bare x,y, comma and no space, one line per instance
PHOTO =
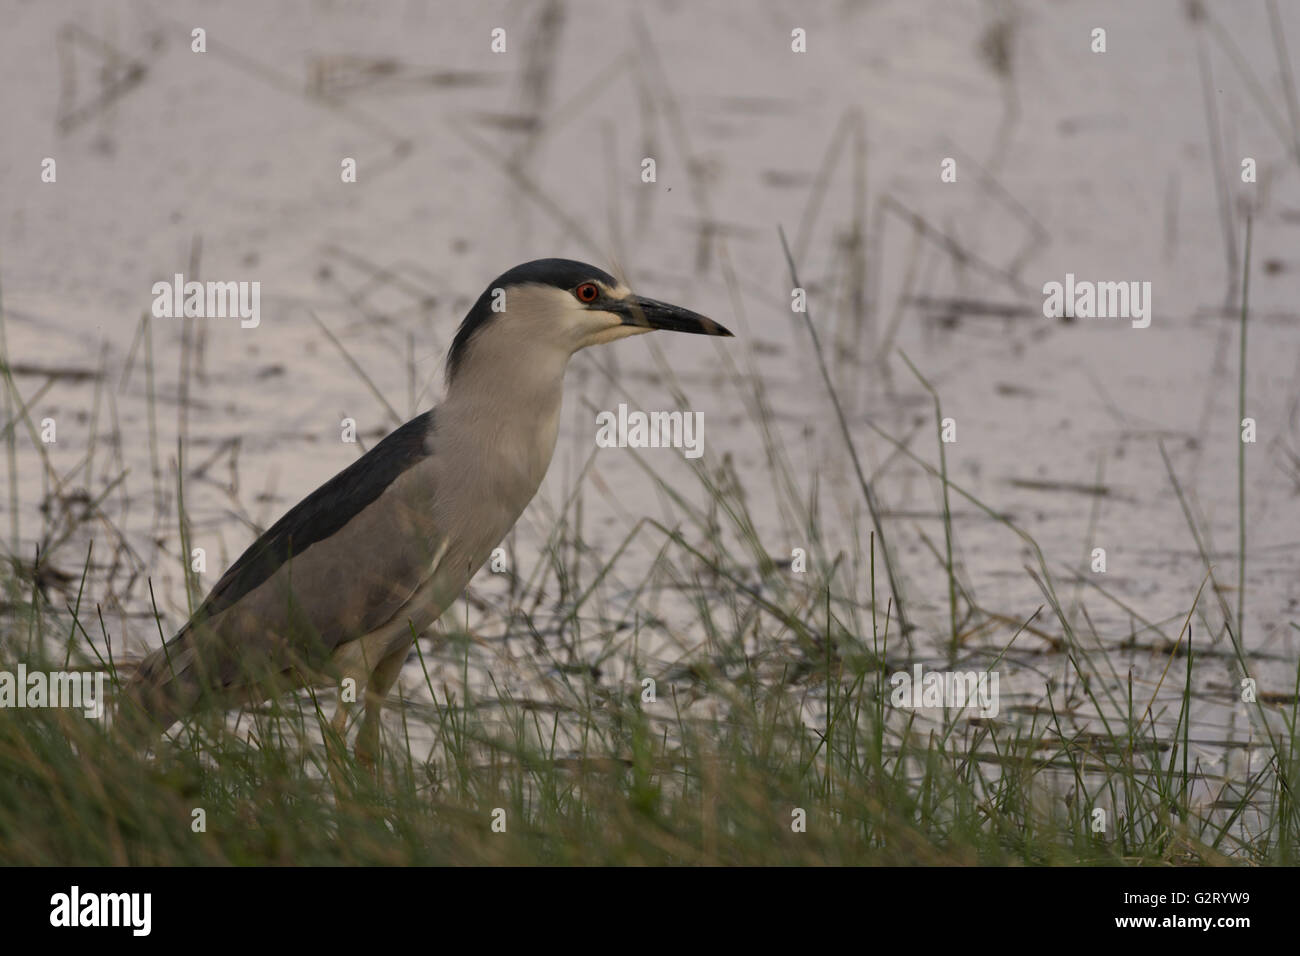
380,683
336,739
335,747
339,722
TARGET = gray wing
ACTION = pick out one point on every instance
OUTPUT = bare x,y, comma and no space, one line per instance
339,564
322,514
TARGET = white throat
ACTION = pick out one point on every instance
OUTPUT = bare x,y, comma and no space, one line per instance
502,413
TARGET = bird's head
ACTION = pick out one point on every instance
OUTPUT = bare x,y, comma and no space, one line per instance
554,307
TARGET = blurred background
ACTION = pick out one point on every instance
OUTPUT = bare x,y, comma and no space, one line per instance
1122,165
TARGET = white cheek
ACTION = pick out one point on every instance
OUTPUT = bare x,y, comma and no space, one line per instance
614,333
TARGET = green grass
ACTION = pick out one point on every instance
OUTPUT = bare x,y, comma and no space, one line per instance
640,784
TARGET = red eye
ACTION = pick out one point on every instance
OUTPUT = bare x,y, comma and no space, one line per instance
586,292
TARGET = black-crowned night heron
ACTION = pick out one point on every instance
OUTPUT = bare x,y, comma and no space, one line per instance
339,587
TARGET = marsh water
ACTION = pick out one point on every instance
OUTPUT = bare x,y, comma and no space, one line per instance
1117,166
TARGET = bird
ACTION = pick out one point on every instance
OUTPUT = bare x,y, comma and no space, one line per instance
341,585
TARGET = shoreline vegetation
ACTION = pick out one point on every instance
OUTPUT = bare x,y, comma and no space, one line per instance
771,741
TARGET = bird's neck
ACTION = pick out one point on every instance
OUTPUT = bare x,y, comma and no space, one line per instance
503,408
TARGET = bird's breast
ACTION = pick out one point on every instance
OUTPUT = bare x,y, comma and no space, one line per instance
484,475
